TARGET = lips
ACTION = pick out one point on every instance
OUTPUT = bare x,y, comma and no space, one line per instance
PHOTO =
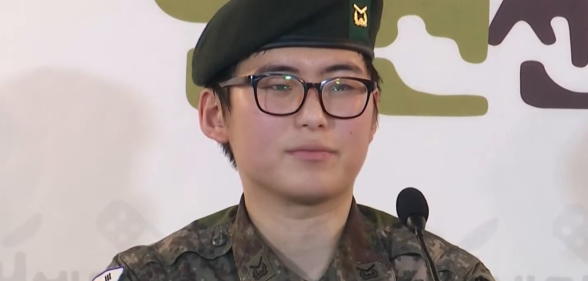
312,152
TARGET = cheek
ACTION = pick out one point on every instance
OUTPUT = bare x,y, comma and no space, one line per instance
355,136
254,133
264,135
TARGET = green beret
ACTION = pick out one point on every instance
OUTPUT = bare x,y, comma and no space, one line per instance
243,27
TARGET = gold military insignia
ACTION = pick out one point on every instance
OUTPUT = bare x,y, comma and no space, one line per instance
360,16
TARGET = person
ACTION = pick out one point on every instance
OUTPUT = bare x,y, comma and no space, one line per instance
291,94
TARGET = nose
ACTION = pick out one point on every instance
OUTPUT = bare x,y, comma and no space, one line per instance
311,115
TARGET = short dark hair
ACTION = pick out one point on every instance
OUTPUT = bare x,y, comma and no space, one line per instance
223,95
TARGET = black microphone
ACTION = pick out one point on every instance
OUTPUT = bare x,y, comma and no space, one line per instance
413,212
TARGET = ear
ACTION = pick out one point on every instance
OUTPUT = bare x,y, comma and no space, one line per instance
375,120
212,120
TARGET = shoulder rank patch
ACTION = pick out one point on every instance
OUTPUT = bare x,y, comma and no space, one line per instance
112,274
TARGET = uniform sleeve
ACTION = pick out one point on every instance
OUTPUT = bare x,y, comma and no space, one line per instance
479,272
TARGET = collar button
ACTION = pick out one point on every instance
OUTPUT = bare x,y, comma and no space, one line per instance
219,239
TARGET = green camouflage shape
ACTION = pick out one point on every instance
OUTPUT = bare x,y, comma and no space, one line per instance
225,246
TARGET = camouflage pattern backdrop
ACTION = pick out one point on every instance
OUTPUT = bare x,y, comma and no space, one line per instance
485,109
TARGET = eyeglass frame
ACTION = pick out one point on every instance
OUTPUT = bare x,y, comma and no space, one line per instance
253,80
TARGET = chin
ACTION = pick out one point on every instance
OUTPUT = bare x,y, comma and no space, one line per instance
311,193
307,199
305,186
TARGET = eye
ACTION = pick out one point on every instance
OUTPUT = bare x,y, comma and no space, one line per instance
341,87
278,84
280,87
344,86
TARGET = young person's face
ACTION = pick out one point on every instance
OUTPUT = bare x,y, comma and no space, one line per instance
306,157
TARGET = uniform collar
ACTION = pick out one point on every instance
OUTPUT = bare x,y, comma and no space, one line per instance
361,255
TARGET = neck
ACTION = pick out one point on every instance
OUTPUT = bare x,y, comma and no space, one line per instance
304,237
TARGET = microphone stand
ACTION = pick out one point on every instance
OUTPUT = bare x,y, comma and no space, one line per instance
432,267
417,225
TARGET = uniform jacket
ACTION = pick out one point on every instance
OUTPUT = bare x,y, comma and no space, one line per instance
374,246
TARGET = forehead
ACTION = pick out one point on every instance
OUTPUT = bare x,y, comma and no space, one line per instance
305,60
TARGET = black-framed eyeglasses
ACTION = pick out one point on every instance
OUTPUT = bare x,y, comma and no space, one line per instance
282,94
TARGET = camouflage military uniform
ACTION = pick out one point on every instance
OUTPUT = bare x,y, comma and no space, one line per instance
225,246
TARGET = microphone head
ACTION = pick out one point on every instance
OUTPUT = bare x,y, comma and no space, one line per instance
411,202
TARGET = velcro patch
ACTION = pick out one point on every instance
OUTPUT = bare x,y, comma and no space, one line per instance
112,274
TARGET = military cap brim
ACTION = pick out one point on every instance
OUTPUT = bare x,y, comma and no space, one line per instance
243,27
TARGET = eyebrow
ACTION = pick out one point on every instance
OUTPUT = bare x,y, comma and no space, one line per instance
281,68
277,68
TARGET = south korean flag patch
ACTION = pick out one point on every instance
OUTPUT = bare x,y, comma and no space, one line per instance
112,274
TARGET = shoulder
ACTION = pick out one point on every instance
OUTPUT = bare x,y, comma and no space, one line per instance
402,245
206,237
